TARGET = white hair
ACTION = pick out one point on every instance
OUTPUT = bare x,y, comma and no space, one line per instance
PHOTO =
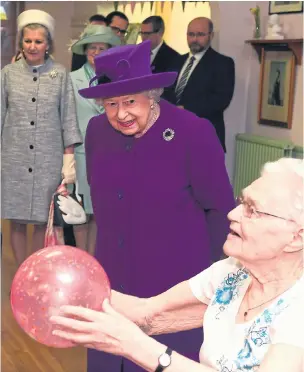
292,170
285,165
154,94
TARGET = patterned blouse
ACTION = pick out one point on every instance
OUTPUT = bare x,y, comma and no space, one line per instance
234,347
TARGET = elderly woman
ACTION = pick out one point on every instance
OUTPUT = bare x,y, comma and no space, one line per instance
38,131
94,40
251,304
159,187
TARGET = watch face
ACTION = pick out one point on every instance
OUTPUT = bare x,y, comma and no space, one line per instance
165,360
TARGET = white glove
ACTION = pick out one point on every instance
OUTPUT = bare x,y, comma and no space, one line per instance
74,213
68,171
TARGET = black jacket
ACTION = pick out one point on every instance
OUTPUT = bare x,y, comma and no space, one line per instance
164,59
209,89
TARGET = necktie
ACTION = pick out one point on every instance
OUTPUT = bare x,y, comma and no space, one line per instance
183,81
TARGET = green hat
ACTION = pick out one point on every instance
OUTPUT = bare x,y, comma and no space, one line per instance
95,34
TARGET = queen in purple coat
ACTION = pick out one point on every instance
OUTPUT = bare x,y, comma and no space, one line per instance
159,188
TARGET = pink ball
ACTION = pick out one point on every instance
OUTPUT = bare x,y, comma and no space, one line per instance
50,278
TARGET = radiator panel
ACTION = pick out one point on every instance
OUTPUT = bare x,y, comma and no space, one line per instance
298,152
252,152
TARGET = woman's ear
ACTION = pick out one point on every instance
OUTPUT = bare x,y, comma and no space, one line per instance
152,103
297,242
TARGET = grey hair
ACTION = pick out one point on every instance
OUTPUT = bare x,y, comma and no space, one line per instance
35,26
290,169
154,94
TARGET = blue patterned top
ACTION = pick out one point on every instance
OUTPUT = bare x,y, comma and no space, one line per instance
239,347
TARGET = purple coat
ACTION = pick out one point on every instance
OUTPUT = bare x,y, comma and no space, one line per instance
160,207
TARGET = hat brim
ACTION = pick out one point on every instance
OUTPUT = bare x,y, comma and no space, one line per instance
130,86
78,47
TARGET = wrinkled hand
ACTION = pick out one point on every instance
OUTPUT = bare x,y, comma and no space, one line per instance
106,331
68,171
74,213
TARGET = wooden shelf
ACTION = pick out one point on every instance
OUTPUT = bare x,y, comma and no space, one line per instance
296,45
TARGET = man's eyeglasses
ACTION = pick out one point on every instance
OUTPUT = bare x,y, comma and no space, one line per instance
198,34
250,211
148,33
118,30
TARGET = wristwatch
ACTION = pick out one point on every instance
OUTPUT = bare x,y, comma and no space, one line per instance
164,360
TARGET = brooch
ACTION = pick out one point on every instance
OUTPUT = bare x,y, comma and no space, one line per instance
53,73
168,134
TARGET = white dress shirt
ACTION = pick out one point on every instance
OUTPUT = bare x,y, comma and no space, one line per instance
198,57
155,51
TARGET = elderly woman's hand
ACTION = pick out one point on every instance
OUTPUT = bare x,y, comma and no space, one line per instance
107,331
138,310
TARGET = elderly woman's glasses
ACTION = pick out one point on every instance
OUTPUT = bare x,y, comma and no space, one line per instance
250,211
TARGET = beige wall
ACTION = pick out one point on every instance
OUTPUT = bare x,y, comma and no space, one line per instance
235,24
293,28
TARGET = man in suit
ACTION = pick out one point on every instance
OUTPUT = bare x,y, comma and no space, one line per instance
162,56
205,84
77,60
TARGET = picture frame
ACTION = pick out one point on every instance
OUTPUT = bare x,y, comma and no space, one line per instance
276,91
285,7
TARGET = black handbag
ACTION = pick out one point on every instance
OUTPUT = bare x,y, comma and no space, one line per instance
58,219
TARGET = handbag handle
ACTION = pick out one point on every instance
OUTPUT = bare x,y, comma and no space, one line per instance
75,192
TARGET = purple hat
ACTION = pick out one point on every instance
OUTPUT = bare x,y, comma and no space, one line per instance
128,70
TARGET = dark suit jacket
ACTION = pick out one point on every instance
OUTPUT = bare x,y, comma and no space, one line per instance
165,58
78,61
209,89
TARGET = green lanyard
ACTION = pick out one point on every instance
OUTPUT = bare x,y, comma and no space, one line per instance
90,73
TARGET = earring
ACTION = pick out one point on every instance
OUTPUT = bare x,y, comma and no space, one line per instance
152,105
46,52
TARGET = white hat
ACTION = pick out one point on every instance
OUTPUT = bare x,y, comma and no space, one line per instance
36,16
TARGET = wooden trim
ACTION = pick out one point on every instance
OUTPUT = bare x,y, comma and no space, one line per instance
291,92
261,85
295,45
279,124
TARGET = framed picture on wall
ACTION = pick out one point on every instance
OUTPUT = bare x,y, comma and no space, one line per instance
276,93
285,7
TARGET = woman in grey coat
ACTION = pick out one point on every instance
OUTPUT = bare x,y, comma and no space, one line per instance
38,131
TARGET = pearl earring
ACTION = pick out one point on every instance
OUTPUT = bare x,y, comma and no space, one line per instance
152,106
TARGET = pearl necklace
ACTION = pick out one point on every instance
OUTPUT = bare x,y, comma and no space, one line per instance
155,115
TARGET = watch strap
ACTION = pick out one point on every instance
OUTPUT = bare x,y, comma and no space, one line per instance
161,368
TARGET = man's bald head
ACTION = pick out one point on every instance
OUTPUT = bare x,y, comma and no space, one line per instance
199,34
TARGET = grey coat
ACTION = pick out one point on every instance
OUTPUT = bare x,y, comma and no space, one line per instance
38,120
